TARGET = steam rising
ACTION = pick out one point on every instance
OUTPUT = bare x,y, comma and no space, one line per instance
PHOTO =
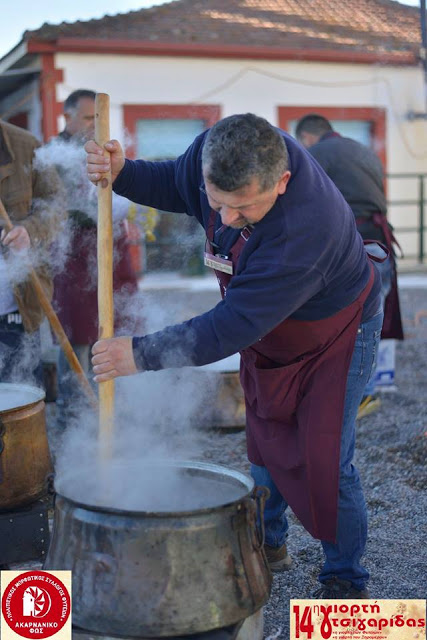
158,414
69,159
22,366
157,420
73,193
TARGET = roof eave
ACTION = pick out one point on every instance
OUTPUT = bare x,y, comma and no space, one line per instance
15,54
149,48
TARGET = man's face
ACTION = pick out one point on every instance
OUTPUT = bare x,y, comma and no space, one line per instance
247,205
80,121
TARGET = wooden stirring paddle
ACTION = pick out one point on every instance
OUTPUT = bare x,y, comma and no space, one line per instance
105,274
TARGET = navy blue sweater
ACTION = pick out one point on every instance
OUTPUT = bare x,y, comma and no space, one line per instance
304,259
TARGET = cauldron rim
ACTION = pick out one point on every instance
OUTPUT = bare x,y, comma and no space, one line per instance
36,391
244,478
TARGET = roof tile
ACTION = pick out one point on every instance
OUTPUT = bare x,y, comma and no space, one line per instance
352,25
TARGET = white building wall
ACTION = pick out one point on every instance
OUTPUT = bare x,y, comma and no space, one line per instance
261,87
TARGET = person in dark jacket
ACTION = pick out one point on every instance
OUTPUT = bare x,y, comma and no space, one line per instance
75,293
301,302
357,172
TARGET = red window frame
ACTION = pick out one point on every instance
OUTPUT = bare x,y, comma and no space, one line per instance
209,113
375,116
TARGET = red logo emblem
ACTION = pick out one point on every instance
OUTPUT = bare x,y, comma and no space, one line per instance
36,604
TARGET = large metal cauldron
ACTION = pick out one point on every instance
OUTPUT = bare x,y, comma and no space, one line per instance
164,573
24,450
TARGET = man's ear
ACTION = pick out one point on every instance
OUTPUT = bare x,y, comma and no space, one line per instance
283,182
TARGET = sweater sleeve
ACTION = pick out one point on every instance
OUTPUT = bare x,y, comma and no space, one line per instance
257,300
150,183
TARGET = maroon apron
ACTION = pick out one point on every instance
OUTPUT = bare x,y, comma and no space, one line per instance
392,325
76,293
294,380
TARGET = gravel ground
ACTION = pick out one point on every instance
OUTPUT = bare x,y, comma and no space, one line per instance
391,454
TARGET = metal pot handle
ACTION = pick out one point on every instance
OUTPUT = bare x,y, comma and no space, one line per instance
260,495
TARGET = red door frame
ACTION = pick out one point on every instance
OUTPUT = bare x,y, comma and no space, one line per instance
209,113
51,109
375,116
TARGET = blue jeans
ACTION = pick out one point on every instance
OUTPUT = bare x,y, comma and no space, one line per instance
343,557
386,271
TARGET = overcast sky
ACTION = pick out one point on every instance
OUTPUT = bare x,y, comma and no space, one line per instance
19,15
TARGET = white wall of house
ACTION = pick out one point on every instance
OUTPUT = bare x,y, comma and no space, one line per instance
261,87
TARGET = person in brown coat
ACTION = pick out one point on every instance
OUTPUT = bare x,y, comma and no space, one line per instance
32,197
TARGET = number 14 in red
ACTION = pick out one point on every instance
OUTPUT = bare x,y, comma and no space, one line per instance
303,623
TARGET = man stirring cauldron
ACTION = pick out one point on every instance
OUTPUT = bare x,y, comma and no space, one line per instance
300,302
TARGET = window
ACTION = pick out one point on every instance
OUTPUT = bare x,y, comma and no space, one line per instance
163,132
165,139
365,124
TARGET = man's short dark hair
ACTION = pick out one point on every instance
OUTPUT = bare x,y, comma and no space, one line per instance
313,123
72,101
242,147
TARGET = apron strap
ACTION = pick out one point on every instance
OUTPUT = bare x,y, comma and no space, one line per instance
380,221
237,248
210,232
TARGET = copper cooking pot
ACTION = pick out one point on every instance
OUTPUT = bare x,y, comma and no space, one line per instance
24,450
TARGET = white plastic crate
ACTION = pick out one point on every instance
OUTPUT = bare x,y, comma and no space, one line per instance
386,365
